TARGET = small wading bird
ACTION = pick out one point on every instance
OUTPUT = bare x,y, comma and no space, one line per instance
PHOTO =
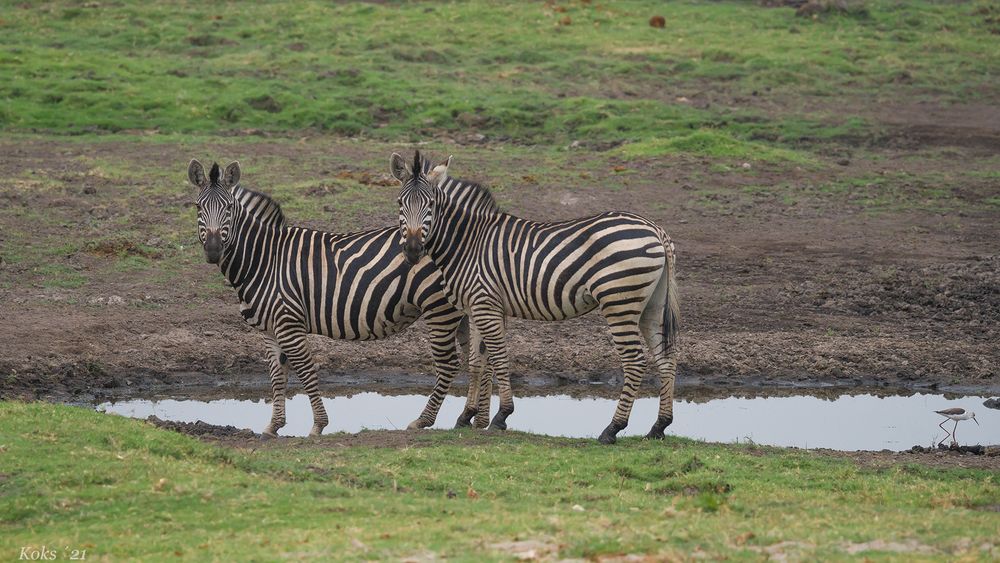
955,414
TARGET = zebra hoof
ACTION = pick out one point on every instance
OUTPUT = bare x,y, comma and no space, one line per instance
417,425
465,419
610,434
316,431
656,432
268,435
499,421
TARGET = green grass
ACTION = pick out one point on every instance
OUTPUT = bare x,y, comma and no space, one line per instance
119,488
713,144
60,276
409,71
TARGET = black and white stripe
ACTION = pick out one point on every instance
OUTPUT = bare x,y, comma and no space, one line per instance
496,265
293,281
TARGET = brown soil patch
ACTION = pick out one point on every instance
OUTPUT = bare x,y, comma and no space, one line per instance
814,290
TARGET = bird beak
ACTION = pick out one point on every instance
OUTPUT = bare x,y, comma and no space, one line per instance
976,421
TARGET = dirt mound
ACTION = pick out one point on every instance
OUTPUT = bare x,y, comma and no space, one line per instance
203,429
978,449
966,294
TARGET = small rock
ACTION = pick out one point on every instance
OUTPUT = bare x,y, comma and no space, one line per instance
90,190
745,166
209,333
992,403
574,145
115,300
687,187
843,162
659,22
578,508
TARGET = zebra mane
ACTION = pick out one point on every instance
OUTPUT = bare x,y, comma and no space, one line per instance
475,197
482,198
260,206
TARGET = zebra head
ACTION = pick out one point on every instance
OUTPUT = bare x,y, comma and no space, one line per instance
215,205
416,202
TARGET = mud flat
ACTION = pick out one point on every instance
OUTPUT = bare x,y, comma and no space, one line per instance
810,288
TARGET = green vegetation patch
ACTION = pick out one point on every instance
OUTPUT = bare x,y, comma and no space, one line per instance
552,73
713,144
122,489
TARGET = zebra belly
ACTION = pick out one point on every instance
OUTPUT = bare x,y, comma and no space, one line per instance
374,322
570,276
572,306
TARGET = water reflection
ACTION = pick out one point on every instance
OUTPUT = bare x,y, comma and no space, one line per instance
848,422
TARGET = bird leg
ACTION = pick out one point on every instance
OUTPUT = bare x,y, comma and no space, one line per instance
946,433
954,440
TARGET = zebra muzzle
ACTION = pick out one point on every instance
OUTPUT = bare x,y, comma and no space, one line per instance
213,248
413,249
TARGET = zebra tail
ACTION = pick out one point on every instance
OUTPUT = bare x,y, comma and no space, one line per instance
671,308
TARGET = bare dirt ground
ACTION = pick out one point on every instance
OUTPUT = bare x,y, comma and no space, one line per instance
790,286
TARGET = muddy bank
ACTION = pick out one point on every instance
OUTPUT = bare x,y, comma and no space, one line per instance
246,439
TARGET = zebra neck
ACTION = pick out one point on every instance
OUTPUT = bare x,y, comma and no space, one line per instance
461,223
257,227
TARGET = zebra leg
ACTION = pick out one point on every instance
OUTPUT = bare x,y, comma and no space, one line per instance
278,364
490,324
444,348
474,369
625,334
480,379
293,342
665,360
485,396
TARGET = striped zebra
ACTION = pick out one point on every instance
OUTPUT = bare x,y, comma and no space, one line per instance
293,282
496,265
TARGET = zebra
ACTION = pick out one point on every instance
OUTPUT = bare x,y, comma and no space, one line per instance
497,265
294,281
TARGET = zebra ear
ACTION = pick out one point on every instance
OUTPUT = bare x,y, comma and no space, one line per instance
196,174
231,176
439,174
398,168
